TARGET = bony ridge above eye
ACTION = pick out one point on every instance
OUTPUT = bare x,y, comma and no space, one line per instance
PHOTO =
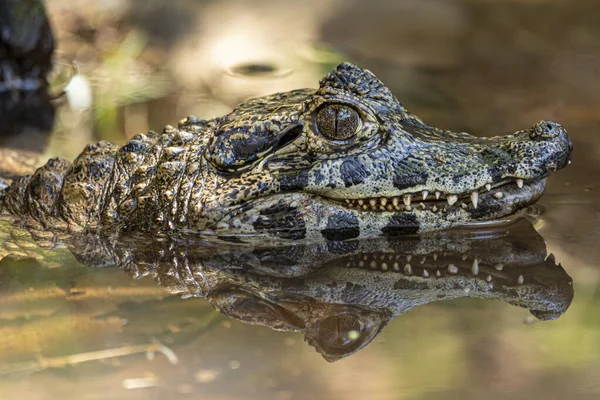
338,121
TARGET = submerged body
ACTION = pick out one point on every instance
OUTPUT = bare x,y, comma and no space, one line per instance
340,162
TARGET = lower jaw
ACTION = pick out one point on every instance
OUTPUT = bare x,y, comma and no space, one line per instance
462,213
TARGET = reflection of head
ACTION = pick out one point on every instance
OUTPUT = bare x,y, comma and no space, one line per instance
341,295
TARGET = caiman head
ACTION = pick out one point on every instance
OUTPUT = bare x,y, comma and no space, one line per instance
349,160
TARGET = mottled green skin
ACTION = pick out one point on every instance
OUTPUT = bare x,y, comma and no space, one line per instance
267,168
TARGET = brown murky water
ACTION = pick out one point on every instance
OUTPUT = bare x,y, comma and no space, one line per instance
68,329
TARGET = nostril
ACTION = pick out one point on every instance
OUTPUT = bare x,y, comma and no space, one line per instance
545,130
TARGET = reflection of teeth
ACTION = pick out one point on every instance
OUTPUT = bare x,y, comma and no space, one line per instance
475,267
520,183
474,198
452,198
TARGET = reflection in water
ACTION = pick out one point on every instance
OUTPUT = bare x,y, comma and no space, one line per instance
341,295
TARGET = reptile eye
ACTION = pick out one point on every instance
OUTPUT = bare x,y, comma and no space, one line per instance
338,122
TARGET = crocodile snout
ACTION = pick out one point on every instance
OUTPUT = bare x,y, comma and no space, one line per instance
556,139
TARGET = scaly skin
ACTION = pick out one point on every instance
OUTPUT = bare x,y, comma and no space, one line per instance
340,162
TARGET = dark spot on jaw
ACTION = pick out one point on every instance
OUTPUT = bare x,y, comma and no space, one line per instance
406,180
297,181
353,172
282,221
341,226
401,224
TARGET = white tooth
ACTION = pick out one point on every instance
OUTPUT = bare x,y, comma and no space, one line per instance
373,264
437,195
569,162
453,269
383,201
384,267
423,260
425,194
406,199
488,278
498,195
434,209
475,267
365,207
408,258
521,280
520,183
408,208
396,266
348,201
422,205
361,202
438,273
499,267
464,205
452,198
435,256
390,207
488,187
373,202
395,201
425,274
408,269
464,257
474,198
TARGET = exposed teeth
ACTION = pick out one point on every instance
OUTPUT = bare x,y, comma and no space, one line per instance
474,198
383,201
425,194
452,198
488,187
498,195
453,269
438,273
425,273
520,183
406,199
434,209
437,195
521,280
373,202
361,202
408,269
395,201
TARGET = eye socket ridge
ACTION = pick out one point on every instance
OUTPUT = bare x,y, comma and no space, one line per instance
338,122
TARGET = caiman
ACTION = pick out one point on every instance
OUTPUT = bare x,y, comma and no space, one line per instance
346,160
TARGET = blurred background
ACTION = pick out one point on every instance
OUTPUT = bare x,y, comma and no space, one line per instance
482,66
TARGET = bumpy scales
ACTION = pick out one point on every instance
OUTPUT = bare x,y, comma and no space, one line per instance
340,162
